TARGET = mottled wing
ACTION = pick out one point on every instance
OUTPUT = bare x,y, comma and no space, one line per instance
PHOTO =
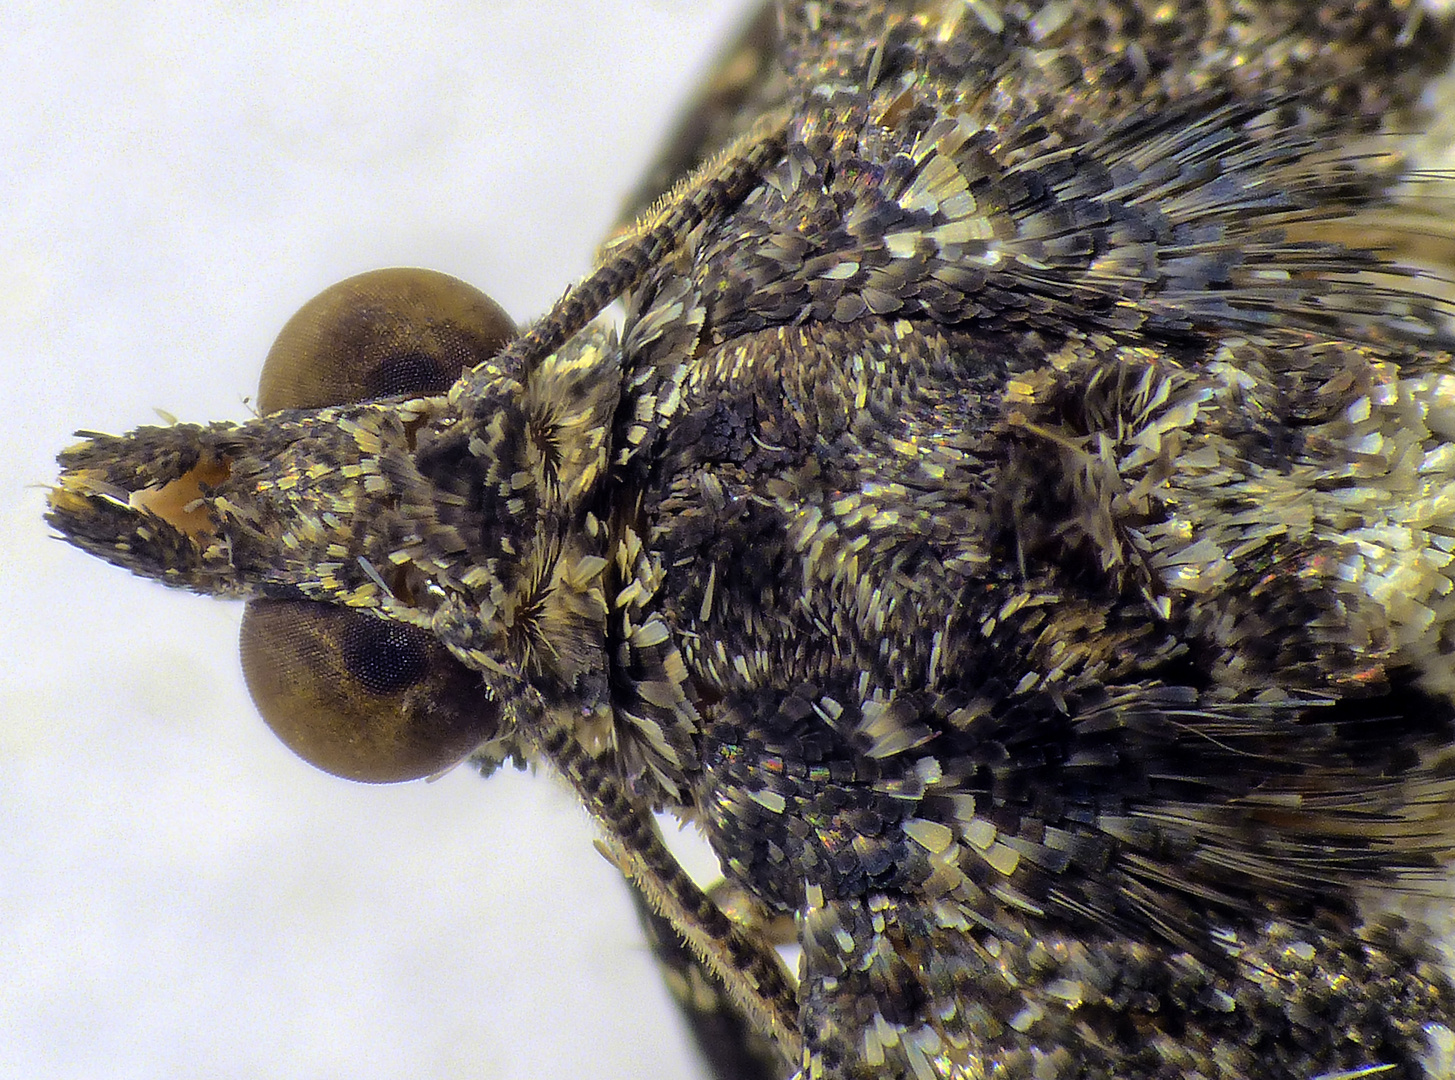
1056,528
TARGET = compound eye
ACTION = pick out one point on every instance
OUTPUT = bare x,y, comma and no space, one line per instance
359,696
400,331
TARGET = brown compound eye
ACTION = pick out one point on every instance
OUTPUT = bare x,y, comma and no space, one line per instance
381,334
353,694
358,696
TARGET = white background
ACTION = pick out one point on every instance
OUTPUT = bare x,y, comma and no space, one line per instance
179,897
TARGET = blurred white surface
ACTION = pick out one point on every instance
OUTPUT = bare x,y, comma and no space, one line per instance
178,895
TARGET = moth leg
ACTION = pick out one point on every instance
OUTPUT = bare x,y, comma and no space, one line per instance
729,1043
626,260
746,964
744,81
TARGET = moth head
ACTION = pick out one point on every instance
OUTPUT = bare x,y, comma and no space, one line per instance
398,530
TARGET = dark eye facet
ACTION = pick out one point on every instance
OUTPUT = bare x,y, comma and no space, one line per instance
381,334
360,697
386,658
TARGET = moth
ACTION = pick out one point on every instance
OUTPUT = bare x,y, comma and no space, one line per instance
1012,520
